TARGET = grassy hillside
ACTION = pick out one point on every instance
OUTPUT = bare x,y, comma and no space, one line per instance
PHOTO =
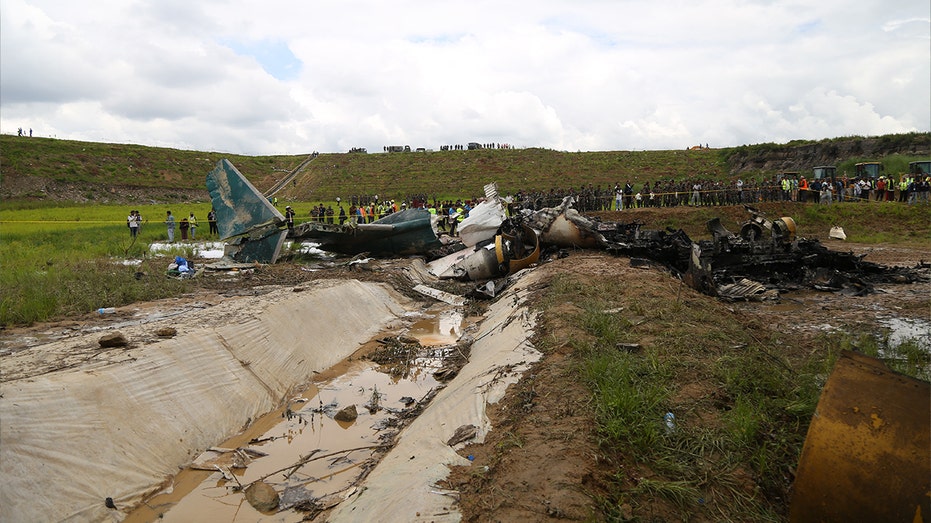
464,173
48,170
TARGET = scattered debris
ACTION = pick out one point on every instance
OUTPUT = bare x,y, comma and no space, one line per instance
746,290
181,268
765,251
462,434
489,289
837,233
867,455
299,498
442,296
446,373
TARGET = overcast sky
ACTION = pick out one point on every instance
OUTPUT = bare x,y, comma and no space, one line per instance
289,77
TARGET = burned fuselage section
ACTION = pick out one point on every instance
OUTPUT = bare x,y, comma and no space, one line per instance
405,232
764,258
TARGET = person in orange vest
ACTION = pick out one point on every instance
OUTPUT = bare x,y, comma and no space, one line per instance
803,189
881,189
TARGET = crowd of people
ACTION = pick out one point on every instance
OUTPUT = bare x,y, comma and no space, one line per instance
712,192
367,208
700,191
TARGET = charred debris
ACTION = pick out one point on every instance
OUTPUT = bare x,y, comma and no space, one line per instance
765,257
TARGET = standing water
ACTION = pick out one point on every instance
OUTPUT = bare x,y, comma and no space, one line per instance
306,455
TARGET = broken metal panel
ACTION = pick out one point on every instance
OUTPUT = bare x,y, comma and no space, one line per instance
442,296
867,456
262,245
563,226
484,220
746,290
443,265
406,232
240,207
480,263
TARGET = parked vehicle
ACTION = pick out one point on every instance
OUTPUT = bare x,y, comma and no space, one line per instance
920,169
824,172
870,170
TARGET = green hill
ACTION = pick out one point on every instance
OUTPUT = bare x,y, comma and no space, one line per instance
45,169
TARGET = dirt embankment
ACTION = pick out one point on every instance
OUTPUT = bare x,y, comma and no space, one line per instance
543,461
778,158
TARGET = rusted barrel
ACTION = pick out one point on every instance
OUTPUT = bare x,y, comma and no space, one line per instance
867,455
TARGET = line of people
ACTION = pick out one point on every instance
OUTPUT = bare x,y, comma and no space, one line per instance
187,226
709,192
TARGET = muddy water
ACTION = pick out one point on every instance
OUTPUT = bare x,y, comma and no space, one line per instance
339,451
901,329
441,327
829,312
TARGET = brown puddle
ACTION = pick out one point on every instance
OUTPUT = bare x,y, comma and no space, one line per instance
444,327
306,429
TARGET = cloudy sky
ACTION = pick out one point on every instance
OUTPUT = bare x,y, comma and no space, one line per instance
291,77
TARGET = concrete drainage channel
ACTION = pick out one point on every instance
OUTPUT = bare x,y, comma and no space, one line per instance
304,457
100,439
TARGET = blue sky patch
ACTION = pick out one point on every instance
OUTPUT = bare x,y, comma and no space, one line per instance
273,55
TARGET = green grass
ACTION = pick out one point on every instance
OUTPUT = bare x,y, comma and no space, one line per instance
764,404
71,260
741,425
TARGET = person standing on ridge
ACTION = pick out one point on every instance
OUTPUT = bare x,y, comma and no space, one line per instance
184,226
212,222
132,221
170,223
289,218
192,223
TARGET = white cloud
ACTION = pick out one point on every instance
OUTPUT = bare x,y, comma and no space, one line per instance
286,78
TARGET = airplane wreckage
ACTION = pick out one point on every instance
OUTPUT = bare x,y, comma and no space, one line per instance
762,259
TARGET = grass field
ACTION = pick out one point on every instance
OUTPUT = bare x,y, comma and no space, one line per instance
72,259
45,242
